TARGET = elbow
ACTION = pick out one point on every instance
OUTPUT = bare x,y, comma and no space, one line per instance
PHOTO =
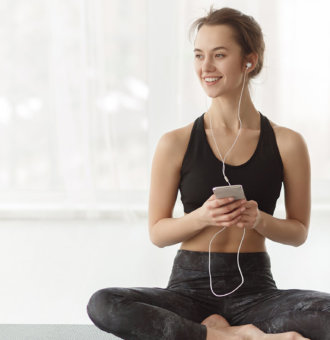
154,240
298,243
159,242
156,243
302,236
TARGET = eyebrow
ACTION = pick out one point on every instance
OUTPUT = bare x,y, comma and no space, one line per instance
214,49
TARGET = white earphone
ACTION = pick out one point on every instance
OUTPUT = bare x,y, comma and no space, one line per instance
248,65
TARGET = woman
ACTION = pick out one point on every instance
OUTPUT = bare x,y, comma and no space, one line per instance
206,297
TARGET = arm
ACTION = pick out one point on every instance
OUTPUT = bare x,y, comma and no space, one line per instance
292,230
164,230
165,176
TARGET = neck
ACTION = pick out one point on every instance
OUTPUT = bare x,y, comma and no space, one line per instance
224,112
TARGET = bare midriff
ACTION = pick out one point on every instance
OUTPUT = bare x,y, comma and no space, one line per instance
226,242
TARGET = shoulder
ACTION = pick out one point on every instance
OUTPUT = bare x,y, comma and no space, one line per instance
174,143
290,142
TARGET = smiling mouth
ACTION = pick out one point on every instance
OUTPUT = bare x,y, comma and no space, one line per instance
212,80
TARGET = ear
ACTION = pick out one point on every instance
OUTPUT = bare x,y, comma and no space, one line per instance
253,59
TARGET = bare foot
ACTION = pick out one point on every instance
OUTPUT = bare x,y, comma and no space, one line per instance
215,321
218,328
251,332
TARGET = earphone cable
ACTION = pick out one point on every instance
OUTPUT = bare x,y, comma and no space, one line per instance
227,180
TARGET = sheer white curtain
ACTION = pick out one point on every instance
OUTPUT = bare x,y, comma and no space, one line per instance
87,88
73,118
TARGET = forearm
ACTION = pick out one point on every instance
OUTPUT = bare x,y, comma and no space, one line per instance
169,231
286,231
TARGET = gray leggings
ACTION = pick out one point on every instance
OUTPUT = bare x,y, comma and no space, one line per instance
176,312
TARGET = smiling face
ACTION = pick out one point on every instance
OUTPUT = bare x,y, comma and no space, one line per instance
217,54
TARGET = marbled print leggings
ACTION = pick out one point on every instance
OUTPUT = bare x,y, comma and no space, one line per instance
176,312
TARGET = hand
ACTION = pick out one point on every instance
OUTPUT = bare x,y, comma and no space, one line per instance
251,216
222,212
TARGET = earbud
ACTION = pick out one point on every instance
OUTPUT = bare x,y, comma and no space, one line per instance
248,65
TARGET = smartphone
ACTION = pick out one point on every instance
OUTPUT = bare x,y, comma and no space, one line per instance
235,191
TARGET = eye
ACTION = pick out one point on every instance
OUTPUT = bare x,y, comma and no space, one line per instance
198,56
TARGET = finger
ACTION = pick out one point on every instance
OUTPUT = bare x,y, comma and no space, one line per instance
212,197
251,204
228,207
227,217
229,223
219,202
246,223
238,203
243,222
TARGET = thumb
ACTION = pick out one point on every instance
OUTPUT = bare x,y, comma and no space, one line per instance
212,197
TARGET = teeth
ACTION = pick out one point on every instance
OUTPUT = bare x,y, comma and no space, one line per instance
212,79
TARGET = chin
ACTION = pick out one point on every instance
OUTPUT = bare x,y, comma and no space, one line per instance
213,95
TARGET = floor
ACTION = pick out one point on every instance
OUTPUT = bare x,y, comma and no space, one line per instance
52,332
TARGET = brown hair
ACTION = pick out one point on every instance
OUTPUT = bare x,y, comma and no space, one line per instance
247,32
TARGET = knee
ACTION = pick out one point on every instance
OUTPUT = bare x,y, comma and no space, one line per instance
97,305
101,308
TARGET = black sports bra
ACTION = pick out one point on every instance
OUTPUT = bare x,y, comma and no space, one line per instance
261,176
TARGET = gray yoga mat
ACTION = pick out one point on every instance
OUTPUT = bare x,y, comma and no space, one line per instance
52,332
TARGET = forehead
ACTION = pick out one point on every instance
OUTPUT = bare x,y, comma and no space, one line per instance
209,37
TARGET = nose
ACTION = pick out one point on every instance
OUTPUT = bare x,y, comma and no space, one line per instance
207,65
